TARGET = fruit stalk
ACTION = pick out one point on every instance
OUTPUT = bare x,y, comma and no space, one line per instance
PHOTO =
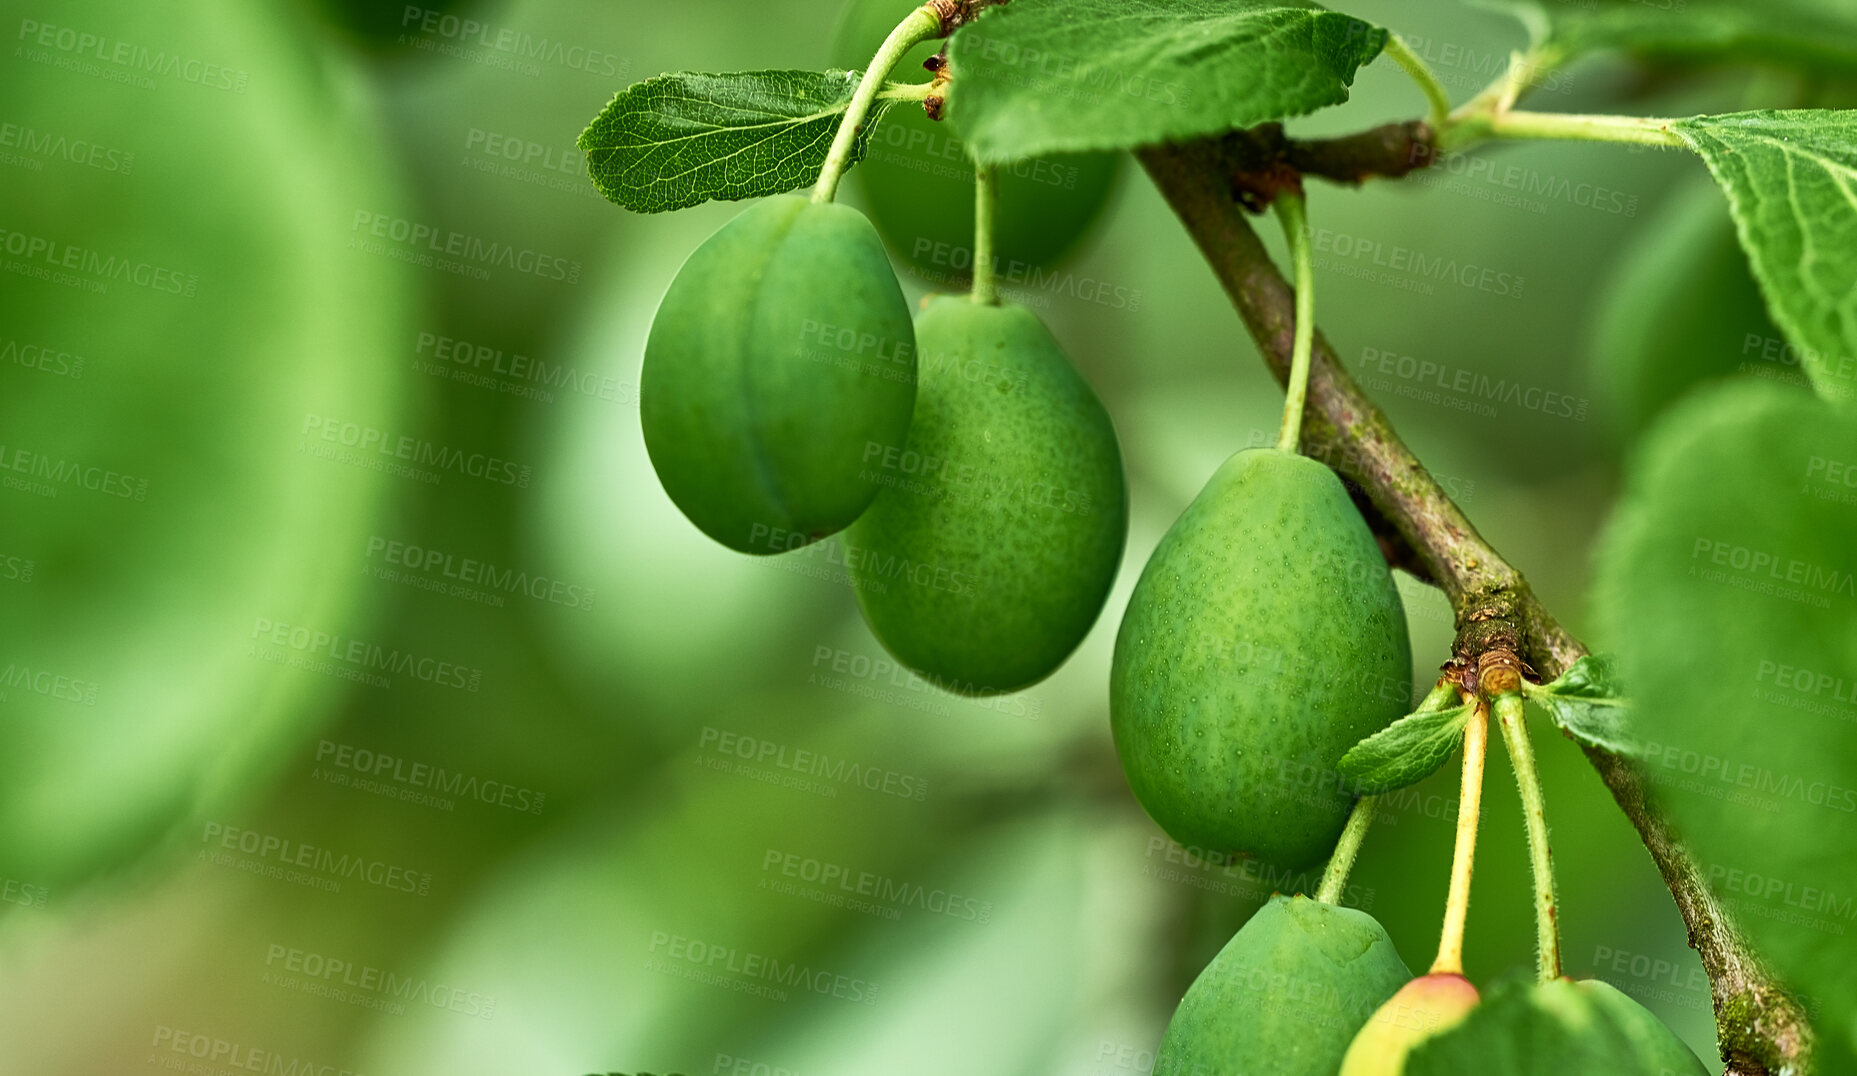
1341,863
1450,960
1421,73
1293,214
1521,753
986,198
922,24
1335,876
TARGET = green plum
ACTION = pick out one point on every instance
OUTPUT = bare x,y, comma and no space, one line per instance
782,355
1263,640
1285,996
1424,1008
180,478
1552,1029
990,551
1681,310
918,183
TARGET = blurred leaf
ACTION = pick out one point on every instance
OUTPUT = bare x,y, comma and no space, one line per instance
1791,179
682,139
1558,1028
1060,76
182,504
1817,34
1726,584
1587,704
1404,752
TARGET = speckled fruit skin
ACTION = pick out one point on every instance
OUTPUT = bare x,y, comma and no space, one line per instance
1264,639
1428,1005
990,551
781,353
1285,996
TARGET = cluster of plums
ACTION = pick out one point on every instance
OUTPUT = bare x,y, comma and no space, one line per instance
1311,989
786,395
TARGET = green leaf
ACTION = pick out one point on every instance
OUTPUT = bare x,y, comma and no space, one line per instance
166,487
1791,179
1587,704
1558,1028
1726,583
1404,752
682,139
1820,35
1054,76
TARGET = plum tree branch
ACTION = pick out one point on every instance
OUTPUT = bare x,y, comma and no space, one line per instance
1503,630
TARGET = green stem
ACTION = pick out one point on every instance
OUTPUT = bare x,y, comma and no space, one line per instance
913,91
922,24
1335,877
1501,94
1522,755
1443,695
986,198
1450,959
1558,126
1421,73
1293,214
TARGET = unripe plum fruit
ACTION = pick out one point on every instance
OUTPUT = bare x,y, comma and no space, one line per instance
1552,1029
1424,1007
781,356
990,551
1285,995
1264,639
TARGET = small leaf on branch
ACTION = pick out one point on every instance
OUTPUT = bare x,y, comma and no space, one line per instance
1587,704
1404,752
1791,179
1057,76
682,139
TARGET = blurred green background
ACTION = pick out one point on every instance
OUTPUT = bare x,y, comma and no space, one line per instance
367,705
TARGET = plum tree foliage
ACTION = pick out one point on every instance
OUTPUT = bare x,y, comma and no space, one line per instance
788,395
